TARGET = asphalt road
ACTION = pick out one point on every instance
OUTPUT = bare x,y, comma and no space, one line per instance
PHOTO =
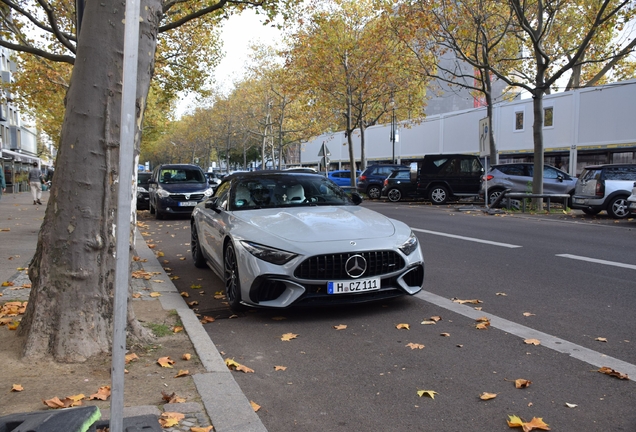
574,277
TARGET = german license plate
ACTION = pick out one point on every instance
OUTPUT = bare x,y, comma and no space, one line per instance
187,203
353,286
579,201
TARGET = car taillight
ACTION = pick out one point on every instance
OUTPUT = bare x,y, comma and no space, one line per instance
362,178
487,177
386,182
600,189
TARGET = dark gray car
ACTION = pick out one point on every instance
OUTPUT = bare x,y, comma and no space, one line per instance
518,178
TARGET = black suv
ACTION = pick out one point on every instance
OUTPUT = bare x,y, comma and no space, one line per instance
177,189
371,180
437,178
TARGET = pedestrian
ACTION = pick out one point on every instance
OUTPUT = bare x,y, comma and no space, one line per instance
3,184
35,181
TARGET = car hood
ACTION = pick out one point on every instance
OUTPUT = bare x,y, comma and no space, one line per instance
319,223
184,187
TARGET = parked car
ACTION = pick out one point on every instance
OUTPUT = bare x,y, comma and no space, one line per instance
342,177
605,187
143,197
518,178
398,185
214,179
371,181
440,177
280,238
177,189
632,201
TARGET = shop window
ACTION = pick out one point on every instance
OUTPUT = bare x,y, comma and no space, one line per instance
519,120
548,117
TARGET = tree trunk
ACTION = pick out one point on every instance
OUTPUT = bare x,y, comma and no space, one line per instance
537,133
70,310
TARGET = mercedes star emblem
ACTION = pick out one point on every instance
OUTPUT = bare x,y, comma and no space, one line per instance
356,266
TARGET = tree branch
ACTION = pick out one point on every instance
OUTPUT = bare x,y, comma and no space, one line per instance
31,50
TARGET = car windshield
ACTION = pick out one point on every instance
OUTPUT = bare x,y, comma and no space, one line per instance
285,190
181,175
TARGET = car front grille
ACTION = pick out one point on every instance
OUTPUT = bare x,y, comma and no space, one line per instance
332,266
182,197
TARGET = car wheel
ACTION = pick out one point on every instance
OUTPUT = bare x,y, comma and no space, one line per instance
618,207
374,192
195,248
591,212
438,195
394,195
231,276
493,195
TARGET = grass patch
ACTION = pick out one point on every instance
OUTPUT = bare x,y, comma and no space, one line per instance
160,330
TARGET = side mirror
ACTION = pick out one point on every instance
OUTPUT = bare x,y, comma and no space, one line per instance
356,198
212,204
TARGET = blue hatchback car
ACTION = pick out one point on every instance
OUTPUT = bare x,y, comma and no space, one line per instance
342,177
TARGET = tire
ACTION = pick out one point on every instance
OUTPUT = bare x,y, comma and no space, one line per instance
493,195
438,195
591,212
195,248
231,278
394,195
618,207
374,192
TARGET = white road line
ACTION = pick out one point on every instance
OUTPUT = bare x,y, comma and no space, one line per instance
579,352
476,240
598,261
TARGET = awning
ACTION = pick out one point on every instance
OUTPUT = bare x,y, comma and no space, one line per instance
18,157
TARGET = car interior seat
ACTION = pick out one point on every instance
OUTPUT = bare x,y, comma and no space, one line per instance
167,177
242,196
296,194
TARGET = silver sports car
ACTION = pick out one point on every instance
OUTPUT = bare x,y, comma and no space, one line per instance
280,238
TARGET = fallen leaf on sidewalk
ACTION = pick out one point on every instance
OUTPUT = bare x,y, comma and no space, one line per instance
473,301
532,341
166,362
255,406
170,419
611,372
17,388
172,398
201,429
53,403
182,373
131,357
103,393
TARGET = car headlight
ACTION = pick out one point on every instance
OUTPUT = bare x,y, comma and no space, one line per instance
161,193
208,192
410,245
274,256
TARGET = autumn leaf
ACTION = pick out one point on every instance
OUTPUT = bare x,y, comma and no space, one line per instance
601,339
340,327
414,345
611,372
14,325
131,357
160,254
172,398
445,334
288,336
487,396
177,329
166,362
103,393
73,401
186,356
425,322
7,284
527,314
535,423
532,341
182,373
136,295
570,405
195,286
185,294
193,303
255,406
53,403
201,429
17,388
522,383
474,301
207,319
234,365
155,294
501,294
429,393
482,325
170,419
403,326
219,296
436,318
280,368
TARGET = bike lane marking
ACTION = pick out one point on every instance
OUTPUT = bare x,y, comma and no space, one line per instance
579,352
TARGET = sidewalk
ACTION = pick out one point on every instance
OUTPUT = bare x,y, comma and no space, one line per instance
223,401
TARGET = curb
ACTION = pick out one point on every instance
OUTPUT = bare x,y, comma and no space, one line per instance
226,405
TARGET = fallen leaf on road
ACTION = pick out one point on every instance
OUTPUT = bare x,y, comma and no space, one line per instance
288,336
428,322
501,294
414,345
528,314
535,423
532,341
195,286
340,327
280,368
611,372
473,301
436,318
207,319
17,388
201,429
522,383
445,334
570,405
53,403
234,365
487,396
429,393
403,326
601,339
185,294
255,406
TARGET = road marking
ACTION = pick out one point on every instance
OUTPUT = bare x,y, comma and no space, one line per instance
579,352
472,239
598,261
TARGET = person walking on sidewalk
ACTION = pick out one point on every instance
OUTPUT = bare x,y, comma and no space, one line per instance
3,184
35,181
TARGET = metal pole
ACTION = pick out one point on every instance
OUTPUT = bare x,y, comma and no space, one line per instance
122,228
393,135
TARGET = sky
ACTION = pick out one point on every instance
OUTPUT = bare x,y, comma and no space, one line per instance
238,32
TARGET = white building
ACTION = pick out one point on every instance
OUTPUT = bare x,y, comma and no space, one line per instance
582,127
